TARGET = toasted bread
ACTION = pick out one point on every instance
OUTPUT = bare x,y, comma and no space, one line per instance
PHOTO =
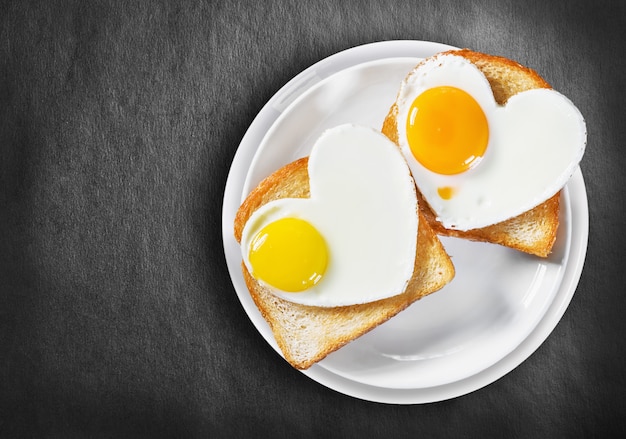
533,231
307,334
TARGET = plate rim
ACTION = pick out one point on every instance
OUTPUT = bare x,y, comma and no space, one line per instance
244,157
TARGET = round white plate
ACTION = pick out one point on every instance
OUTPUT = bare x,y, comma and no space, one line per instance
499,308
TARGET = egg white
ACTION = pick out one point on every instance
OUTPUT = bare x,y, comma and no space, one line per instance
535,143
363,202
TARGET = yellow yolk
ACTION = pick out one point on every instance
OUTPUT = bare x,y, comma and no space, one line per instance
447,130
289,254
445,192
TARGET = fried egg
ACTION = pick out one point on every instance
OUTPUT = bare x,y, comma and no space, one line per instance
476,162
354,240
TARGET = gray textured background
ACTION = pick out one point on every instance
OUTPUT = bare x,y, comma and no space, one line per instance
118,124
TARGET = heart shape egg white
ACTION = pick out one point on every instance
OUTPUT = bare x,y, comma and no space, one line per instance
363,205
533,143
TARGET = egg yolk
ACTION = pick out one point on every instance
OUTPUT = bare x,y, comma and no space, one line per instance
445,192
447,130
289,254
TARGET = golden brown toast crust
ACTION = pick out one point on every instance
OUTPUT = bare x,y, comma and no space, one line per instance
307,334
532,232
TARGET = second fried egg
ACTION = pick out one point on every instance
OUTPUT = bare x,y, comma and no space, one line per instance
477,162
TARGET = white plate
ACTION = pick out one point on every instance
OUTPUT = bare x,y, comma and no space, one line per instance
501,305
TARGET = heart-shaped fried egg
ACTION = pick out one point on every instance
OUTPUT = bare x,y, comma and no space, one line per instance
476,162
354,240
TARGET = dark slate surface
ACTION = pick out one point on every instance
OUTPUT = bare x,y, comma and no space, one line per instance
118,124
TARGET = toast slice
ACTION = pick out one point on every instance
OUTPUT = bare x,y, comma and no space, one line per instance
307,334
533,231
